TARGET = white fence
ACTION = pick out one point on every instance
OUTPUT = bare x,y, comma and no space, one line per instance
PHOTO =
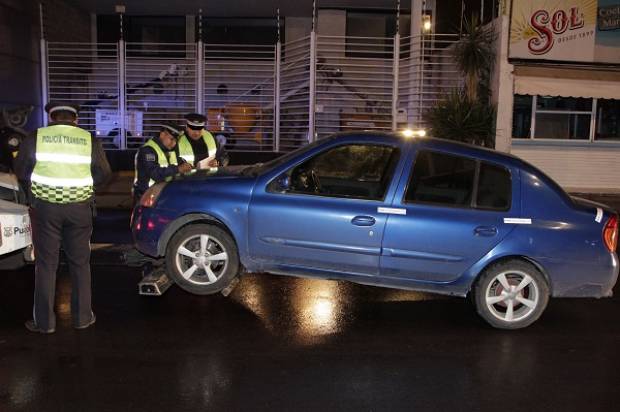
261,98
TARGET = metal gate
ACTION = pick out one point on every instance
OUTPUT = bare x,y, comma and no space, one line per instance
239,94
88,74
354,80
160,85
294,93
259,98
427,73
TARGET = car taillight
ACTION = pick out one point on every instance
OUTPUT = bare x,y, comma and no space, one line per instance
610,233
150,196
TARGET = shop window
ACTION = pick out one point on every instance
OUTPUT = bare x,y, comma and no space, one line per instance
522,116
562,126
608,119
562,118
565,118
563,104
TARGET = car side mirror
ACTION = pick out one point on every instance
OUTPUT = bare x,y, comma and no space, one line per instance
283,183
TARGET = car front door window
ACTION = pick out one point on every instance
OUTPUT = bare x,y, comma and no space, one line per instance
358,171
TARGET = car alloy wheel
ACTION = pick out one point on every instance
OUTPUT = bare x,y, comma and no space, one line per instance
201,259
512,296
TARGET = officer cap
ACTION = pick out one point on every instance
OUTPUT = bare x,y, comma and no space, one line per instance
57,106
171,128
195,120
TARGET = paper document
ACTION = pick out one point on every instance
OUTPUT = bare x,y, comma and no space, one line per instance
204,163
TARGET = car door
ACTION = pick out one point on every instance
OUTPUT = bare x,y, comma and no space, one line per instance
451,213
326,216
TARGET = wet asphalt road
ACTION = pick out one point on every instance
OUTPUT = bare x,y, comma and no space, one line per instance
280,343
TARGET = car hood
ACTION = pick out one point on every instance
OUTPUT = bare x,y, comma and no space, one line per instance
217,173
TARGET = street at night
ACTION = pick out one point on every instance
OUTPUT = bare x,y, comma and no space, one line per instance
284,343
334,205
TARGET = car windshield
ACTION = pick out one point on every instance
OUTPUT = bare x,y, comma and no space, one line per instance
261,168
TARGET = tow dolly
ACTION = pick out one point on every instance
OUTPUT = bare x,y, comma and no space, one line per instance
155,281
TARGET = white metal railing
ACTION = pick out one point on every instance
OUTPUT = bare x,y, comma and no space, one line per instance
239,94
160,85
427,72
354,84
261,98
294,94
88,74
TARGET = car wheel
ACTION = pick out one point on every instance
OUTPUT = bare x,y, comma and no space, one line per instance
511,295
202,259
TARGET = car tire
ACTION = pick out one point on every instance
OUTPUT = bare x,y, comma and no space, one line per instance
511,294
202,259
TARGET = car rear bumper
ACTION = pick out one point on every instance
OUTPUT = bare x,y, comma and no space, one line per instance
147,225
602,287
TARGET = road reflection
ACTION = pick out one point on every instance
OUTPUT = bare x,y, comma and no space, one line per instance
308,309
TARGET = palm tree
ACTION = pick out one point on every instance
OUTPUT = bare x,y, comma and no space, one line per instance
466,114
474,54
457,118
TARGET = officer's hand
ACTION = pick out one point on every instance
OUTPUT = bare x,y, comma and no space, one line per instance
213,163
185,167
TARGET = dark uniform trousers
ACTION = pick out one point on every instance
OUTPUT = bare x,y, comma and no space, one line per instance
70,226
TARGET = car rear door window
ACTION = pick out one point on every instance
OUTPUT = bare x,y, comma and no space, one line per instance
494,187
441,179
457,181
360,171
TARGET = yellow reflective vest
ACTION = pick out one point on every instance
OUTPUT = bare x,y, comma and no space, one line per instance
62,172
186,151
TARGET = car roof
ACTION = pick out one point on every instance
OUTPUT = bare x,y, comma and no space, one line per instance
442,144
464,149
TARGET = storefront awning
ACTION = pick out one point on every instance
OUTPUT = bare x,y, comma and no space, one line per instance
567,83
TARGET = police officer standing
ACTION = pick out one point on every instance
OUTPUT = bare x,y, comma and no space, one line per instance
60,165
157,160
196,144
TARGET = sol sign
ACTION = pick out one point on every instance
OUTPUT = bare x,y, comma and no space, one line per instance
565,30
548,27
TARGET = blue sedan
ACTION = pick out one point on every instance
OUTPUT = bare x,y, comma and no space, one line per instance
381,209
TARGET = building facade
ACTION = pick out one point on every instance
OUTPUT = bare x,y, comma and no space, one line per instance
559,90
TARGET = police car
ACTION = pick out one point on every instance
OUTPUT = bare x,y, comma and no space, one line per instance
15,231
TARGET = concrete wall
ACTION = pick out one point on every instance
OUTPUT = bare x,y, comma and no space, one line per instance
19,57
65,22
502,81
20,64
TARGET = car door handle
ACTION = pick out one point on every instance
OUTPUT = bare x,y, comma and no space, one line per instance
363,220
487,231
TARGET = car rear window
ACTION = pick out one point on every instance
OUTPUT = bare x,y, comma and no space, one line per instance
493,187
450,180
441,179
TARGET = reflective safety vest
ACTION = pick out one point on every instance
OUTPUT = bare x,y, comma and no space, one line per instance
185,147
162,160
62,169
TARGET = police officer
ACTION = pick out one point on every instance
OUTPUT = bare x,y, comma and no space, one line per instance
196,144
157,160
60,165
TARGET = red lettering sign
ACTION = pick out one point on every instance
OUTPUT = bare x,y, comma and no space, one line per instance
546,28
